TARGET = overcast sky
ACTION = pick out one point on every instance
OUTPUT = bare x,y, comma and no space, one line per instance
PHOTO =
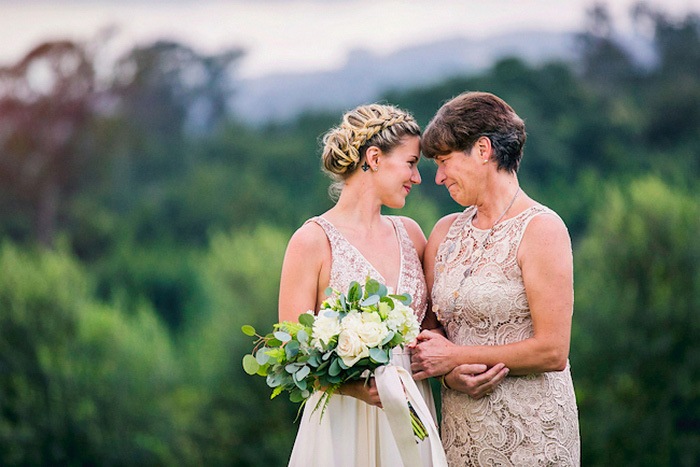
294,35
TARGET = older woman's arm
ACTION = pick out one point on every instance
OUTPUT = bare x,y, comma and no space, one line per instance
547,268
473,379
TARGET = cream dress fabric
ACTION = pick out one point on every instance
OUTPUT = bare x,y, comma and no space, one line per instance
352,433
528,420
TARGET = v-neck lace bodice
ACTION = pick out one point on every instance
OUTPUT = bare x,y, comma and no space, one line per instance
348,264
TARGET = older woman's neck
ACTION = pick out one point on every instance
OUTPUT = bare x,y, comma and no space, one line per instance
498,195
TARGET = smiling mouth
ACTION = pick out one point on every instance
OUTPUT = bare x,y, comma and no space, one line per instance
408,189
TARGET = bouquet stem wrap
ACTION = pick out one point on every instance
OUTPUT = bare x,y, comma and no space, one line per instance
389,379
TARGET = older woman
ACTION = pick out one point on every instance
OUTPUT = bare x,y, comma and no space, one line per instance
502,287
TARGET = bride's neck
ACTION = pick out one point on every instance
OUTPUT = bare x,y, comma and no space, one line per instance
358,208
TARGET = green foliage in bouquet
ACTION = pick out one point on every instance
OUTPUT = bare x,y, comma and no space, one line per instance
352,335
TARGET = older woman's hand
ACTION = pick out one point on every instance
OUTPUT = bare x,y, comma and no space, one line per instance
431,355
475,380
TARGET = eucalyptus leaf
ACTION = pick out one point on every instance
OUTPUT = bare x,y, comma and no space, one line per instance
283,336
302,373
250,365
248,330
378,355
273,380
261,357
296,396
371,287
291,349
334,379
302,336
371,300
383,291
403,298
274,343
306,319
387,339
334,369
329,291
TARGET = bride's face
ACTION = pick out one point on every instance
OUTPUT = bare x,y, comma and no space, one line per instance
398,172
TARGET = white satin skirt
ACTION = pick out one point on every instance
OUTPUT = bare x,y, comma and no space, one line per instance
352,433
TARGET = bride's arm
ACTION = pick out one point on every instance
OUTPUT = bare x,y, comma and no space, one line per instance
547,269
305,275
306,262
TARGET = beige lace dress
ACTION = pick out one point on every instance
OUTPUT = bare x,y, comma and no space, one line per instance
352,433
528,420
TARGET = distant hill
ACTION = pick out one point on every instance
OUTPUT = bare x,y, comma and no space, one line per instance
366,75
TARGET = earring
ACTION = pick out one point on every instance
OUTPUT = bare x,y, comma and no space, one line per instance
486,161
365,167
375,169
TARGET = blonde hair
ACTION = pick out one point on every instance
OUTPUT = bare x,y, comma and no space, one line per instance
344,146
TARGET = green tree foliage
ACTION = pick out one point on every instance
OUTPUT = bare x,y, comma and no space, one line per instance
635,352
83,383
239,424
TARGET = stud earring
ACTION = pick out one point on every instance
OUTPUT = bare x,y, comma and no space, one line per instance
375,169
486,161
365,167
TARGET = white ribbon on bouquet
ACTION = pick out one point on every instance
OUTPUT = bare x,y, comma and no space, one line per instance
395,397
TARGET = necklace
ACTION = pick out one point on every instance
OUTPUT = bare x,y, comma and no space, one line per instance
484,244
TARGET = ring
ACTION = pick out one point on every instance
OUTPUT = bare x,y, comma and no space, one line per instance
488,393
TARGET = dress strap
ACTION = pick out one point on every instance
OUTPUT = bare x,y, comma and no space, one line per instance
331,232
524,220
459,223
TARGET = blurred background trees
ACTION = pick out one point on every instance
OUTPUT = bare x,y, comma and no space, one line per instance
143,223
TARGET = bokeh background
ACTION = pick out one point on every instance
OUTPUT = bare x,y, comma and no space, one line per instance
156,156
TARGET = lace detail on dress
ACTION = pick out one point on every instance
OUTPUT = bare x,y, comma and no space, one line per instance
349,265
528,420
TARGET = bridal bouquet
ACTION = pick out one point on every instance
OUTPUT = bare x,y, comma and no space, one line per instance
352,335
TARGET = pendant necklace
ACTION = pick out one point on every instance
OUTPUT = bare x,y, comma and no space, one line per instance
484,244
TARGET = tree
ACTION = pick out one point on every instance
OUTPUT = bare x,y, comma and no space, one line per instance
46,100
635,352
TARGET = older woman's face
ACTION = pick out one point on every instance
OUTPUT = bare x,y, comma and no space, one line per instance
462,173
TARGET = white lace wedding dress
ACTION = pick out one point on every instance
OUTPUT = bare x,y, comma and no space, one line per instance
528,420
352,433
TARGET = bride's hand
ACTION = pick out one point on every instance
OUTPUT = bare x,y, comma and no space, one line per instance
475,380
365,392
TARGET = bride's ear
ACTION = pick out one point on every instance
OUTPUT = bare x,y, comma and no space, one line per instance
372,155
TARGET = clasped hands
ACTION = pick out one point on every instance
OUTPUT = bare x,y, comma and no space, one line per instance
432,355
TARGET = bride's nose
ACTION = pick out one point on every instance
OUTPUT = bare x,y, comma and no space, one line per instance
415,176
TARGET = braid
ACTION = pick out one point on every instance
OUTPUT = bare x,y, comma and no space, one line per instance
368,125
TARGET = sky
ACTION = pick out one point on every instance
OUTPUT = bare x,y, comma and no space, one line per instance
294,35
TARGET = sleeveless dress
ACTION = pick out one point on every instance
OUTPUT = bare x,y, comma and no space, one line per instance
528,420
352,433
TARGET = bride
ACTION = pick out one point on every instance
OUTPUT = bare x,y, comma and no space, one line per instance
373,157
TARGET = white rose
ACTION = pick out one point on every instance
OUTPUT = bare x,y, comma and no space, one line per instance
373,333
351,322
351,348
323,330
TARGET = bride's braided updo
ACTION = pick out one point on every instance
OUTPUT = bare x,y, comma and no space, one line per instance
383,126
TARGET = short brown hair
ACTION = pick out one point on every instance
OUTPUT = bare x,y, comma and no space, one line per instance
462,120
